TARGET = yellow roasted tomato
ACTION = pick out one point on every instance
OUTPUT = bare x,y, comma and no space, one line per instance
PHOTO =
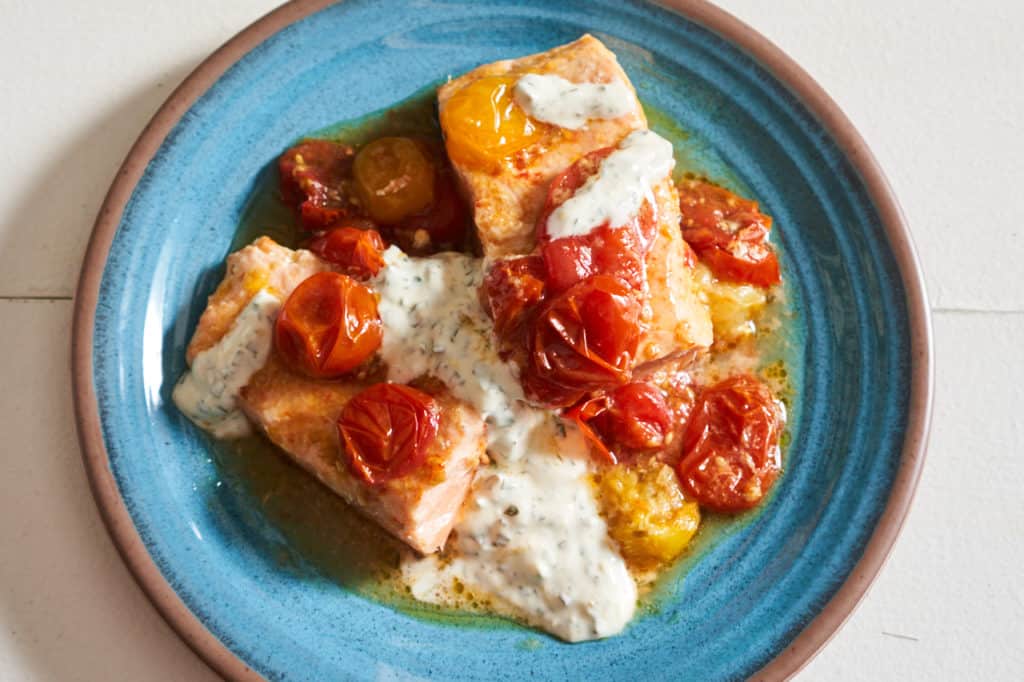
483,125
394,179
734,307
647,513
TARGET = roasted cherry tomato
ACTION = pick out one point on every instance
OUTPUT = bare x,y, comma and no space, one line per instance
730,445
394,178
357,251
632,418
637,418
313,175
441,225
616,250
386,431
583,341
483,124
513,288
328,326
728,233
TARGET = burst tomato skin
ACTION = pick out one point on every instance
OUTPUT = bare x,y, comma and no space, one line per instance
312,176
386,431
616,250
512,290
359,252
730,450
328,326
582,341
729,233
633,418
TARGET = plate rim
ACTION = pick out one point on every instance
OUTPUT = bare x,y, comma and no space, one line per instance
815,635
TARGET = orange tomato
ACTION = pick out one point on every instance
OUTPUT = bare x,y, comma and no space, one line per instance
387,430
484,126
357,251
394,178
328,326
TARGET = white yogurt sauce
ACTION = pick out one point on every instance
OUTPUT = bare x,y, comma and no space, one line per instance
553,99
614,194
208,393
530,538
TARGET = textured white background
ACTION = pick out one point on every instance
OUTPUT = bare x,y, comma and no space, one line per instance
937,88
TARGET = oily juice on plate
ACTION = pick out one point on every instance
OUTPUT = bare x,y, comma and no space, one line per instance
319,532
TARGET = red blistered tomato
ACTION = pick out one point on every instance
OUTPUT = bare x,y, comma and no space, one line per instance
583,341
357,251
513,288
632,418
729,233
637,418
386,431
313,174
730,445
615,250
328,326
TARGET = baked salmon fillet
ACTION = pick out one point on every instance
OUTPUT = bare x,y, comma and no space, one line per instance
299,414
263,265
508,197
678,319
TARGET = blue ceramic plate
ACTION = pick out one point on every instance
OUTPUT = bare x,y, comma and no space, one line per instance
763,599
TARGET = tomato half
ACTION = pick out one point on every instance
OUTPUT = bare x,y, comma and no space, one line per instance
357,251
615,250
313,175
729,233
631,419
513,288
328,326
583,341
386,431
730,446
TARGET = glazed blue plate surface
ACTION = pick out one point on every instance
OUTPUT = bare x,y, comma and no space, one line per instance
744,600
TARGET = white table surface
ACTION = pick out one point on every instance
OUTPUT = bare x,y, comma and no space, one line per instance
936,89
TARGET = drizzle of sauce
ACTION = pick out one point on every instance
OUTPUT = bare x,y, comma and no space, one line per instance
531,539
552,99
613,195
208,393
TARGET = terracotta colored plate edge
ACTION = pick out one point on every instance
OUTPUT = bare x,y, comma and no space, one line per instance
104,488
